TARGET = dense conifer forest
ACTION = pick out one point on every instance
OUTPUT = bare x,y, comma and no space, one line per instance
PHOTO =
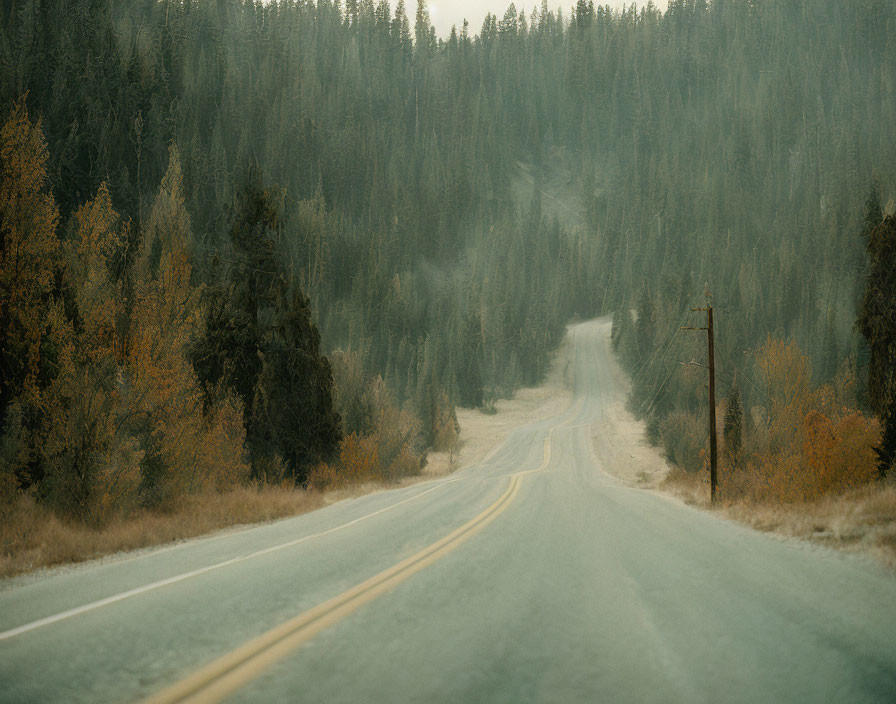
212,209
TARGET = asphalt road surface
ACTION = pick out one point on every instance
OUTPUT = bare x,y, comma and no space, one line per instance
531,577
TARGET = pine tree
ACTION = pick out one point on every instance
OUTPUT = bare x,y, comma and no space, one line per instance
644,326
877,323
239,304
293,416
422,29
261,345
872,218
733,425
616,329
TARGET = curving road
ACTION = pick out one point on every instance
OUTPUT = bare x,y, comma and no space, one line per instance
533,576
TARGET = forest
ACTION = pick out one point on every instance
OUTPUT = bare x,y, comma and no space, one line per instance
280,242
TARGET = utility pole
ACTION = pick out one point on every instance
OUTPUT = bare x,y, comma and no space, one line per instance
713,450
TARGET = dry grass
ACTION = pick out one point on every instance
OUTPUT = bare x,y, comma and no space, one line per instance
859,520
690,487
32,537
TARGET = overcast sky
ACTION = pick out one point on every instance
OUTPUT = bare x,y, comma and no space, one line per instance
445,13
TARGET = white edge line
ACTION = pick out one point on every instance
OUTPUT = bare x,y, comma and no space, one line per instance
46,621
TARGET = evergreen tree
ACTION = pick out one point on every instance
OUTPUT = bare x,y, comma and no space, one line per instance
240,306
261,345
644,331
616,329
293,416
733,425
877,323
873,216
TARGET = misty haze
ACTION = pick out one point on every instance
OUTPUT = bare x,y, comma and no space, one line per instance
451,13
350,352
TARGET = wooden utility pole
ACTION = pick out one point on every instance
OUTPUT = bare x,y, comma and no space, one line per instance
713,451
711,364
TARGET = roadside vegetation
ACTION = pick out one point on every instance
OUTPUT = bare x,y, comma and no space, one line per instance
861,520
33,536
807,461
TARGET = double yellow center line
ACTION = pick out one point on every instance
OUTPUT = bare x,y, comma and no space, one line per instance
233,671
229,673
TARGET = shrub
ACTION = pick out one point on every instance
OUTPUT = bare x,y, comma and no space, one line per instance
371,413
838,455
684,436
221,462
358,462
828,456
445,427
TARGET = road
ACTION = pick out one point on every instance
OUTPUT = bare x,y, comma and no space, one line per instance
531,577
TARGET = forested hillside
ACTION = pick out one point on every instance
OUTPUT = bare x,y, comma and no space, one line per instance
339,161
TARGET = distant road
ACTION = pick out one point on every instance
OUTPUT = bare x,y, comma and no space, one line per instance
531,577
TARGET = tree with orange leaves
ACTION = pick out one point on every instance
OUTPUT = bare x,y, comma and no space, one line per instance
29,258
163,395
788,376
90,469
813,446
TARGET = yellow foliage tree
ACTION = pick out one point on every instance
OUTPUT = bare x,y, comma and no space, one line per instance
163,387
816,446
29,253
838,453
788,375
91,469
95,409
29,257
98,295
358,462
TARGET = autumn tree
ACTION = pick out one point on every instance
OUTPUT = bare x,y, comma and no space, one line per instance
29,263
787,373
91,468
814,446
163,392
375,427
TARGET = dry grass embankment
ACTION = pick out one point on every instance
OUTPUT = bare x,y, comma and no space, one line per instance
860,520
33,537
